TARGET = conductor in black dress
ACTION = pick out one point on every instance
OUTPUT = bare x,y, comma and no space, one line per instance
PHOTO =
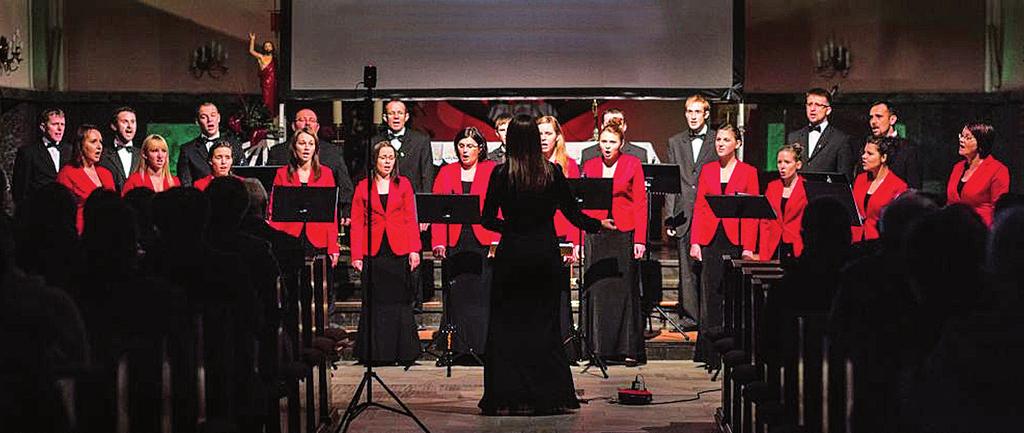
526,371
828,148
194,157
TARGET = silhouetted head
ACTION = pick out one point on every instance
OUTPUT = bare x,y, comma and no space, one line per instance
44,221
944,252
825,228
109,239
1005,255
181,214
1007,202
257,198
228,202
899,215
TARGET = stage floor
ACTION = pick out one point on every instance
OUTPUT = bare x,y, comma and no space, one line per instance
449,404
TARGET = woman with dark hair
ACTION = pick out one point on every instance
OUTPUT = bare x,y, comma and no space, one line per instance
153,171
526,371
220,160
464,247
83,174
875,187
614,321
780,238
303,170
268,71
391,255
712,237
979,179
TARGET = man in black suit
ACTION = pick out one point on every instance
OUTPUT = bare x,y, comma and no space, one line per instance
123,156
194,157
690,150
331,155
905,160
628,148
416,162
501,127
37,164
827,148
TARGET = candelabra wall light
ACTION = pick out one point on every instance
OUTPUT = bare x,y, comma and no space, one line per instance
209,59
832,58
10,53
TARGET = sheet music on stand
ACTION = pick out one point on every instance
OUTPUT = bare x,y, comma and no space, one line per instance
832,185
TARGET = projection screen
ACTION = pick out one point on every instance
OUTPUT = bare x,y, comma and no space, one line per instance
507,45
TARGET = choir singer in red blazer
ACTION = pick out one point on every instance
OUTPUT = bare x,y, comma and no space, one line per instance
152,171
711,237
552,145
304,169
465,247
780,237
82,175
614,321
394,253
875,187
979,179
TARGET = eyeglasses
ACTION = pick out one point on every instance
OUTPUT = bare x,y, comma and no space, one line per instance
467,146
965,137
815,104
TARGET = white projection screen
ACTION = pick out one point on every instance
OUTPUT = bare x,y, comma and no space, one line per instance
508,45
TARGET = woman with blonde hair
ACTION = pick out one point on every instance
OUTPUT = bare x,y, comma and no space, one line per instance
153,171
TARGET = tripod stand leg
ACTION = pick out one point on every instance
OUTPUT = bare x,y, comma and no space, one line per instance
664,316
405,408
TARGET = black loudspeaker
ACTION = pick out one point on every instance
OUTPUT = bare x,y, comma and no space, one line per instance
370,76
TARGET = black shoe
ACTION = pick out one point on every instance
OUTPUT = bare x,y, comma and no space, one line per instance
652,333
687,324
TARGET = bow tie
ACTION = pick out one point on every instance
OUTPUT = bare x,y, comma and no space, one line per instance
127,147
815,128
392,135
49,144
695,135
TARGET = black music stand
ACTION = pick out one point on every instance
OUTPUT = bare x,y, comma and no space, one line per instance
838,190
265,174
662,179
311,204
448,209
741,206
596,194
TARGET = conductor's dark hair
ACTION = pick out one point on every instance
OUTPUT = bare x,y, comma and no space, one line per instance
527,168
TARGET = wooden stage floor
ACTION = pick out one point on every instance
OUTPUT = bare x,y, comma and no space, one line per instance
449,404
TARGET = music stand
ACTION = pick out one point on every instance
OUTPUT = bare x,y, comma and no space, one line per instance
741,206
265,174
840,191
825,176
594,194
662,179
311,205
448,209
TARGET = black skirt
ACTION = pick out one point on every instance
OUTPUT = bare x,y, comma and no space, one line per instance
468,271
394,335
612,296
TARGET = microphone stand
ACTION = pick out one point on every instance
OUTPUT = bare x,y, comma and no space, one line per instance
356,406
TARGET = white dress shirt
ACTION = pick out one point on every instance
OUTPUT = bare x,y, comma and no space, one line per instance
814,136
696,143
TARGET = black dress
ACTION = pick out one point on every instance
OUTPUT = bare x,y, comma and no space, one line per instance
526,370
395,340
711,292
469,272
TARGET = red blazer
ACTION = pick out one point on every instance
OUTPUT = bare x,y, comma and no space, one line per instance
203,183
449,181
321,235
989,182
399,221
629,195
704,224
75,179
785,228
142,179
563,227
892,186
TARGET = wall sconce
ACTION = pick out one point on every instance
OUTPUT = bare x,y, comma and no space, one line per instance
10,53
209,59
832,58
